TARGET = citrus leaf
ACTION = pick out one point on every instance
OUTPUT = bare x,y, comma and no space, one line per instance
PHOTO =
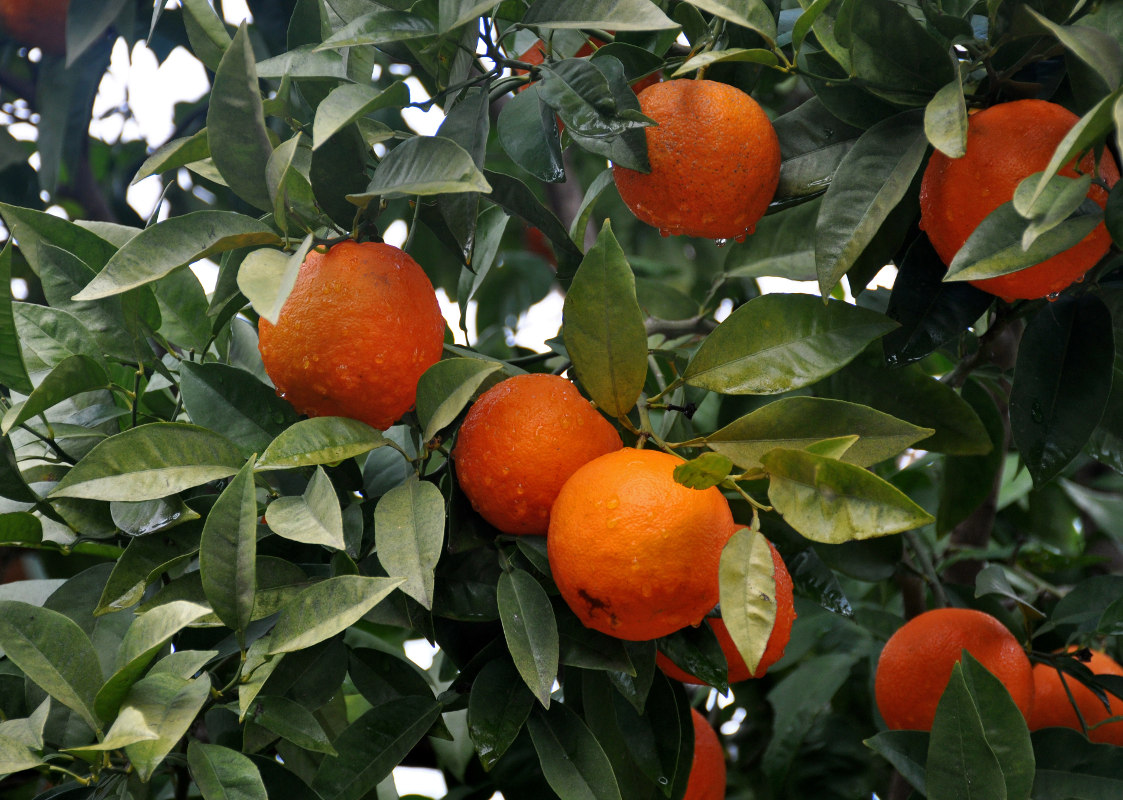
867,186
572,759
530,630
454,13
381,27
168,245
373,745
54,653
945,119
907,751
1062,382
754,14
1096,48
149,462
409,528
168,705
313,518
498,707
13,372
228,553
528,133
145,636
619,15
705,471
293,722
73,375
145,559
780,342
602,325
748,593
234,403
1003,725
832,502
961,762
174,154
238,140
346,104
258,668
206,32
325,608
780,246
796,422
320,440
16,756
20,527
224,774
446,388
424,165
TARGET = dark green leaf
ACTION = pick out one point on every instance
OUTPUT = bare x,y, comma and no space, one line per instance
1062,380
968,481
373,745
603,327
381,676
382,27
351,101
13,373
142,563
572,760
780,246
234,403
293,722
175,154
530,630
912,69
228,552
620,15
907,751
864,190
961,762
528,133
780,342
224,774
813,143
498,706
1096,48
238,140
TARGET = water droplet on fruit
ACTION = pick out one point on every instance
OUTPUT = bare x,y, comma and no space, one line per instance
1053,297
613,503
721,242
663,780
611,523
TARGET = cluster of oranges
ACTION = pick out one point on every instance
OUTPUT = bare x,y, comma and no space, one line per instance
917,661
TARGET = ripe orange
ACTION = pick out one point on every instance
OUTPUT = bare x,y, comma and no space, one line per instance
707,770
1052,708
40,23
916,663
777,640
1006,143
361,325
715,161
519,443
634,553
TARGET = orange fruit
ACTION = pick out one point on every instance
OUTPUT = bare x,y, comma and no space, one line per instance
39,23
707,770
1052,708
519,443
360,326
634,553
1006,143
715,161
777,639
916,663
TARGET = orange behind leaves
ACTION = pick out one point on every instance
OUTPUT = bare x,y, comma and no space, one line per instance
40,23
1006,143
519,443
715,161
360,327
777,640
634,553
917,661
1052,708
707,770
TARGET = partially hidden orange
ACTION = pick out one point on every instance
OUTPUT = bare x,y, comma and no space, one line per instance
360,327
1005,144
917,661
634,553
520,441
715,161
39,23
777,639
707,771
1052,707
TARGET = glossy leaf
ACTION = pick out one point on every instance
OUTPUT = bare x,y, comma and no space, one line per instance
72,376
703,472
228,553
234,403
409,529
960,759
381,26
54,653
603,327
498,707
266,278
349,102
424,165
325,608
320,440
907,73
530,631
780,246
1062,381
170,244
832,502
373,745
292,721
528,133
796,422
13,373
174,154
572,760
813,143
864,190
748,593
239,142
779,342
